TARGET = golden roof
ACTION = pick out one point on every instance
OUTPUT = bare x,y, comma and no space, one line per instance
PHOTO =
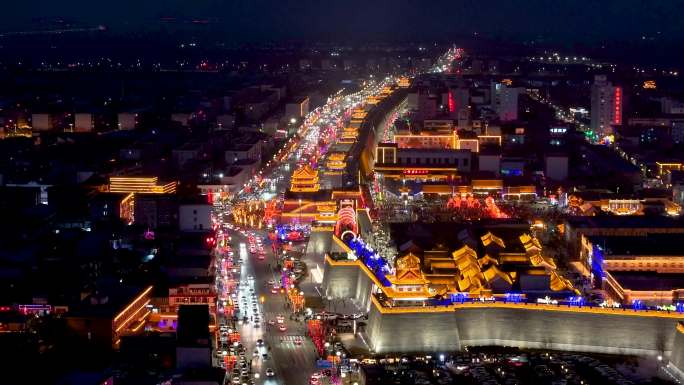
492,272
487,260
490,238
536,259
442,264
441,279
464,252
408,270
337,156
327,208
530,243
465,272
305,172
559,283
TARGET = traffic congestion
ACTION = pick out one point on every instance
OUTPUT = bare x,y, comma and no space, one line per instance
261,325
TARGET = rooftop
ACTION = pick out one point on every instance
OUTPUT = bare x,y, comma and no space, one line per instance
652,244
647,280
193,325
610,221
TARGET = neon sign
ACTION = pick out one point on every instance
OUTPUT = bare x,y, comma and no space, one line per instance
415,172
618,106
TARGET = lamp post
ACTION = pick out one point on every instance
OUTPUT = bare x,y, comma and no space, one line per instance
336,360
299,217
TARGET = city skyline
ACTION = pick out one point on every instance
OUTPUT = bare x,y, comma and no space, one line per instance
341,193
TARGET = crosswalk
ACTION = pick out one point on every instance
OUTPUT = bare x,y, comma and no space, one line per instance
292,337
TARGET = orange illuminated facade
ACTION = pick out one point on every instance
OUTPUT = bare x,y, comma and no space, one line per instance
349,135
304,179
133,316
426,140
140,185
127,208
336,161
665,167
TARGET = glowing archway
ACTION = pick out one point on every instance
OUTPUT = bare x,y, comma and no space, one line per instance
346,220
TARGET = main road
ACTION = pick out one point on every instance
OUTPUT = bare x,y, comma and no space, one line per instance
292,361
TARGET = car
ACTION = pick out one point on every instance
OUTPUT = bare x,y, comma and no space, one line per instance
260,342
282,328
269,372
298,342
261,257
274,290
236,380
271,322
280,319
271,282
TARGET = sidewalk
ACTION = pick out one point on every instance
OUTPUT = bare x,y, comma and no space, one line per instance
354,344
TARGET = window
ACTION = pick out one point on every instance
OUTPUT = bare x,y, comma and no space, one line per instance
465,162
455,160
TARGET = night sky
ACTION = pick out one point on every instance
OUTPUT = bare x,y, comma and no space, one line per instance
588,21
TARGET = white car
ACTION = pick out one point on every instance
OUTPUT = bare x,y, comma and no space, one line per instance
269,372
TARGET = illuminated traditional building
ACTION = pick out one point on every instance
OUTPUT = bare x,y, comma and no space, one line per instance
349,135
359,114
103,319
140,185
336,161
304,179
482,267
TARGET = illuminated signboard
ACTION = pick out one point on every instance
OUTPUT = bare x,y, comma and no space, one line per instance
34,309
415,172
618,106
